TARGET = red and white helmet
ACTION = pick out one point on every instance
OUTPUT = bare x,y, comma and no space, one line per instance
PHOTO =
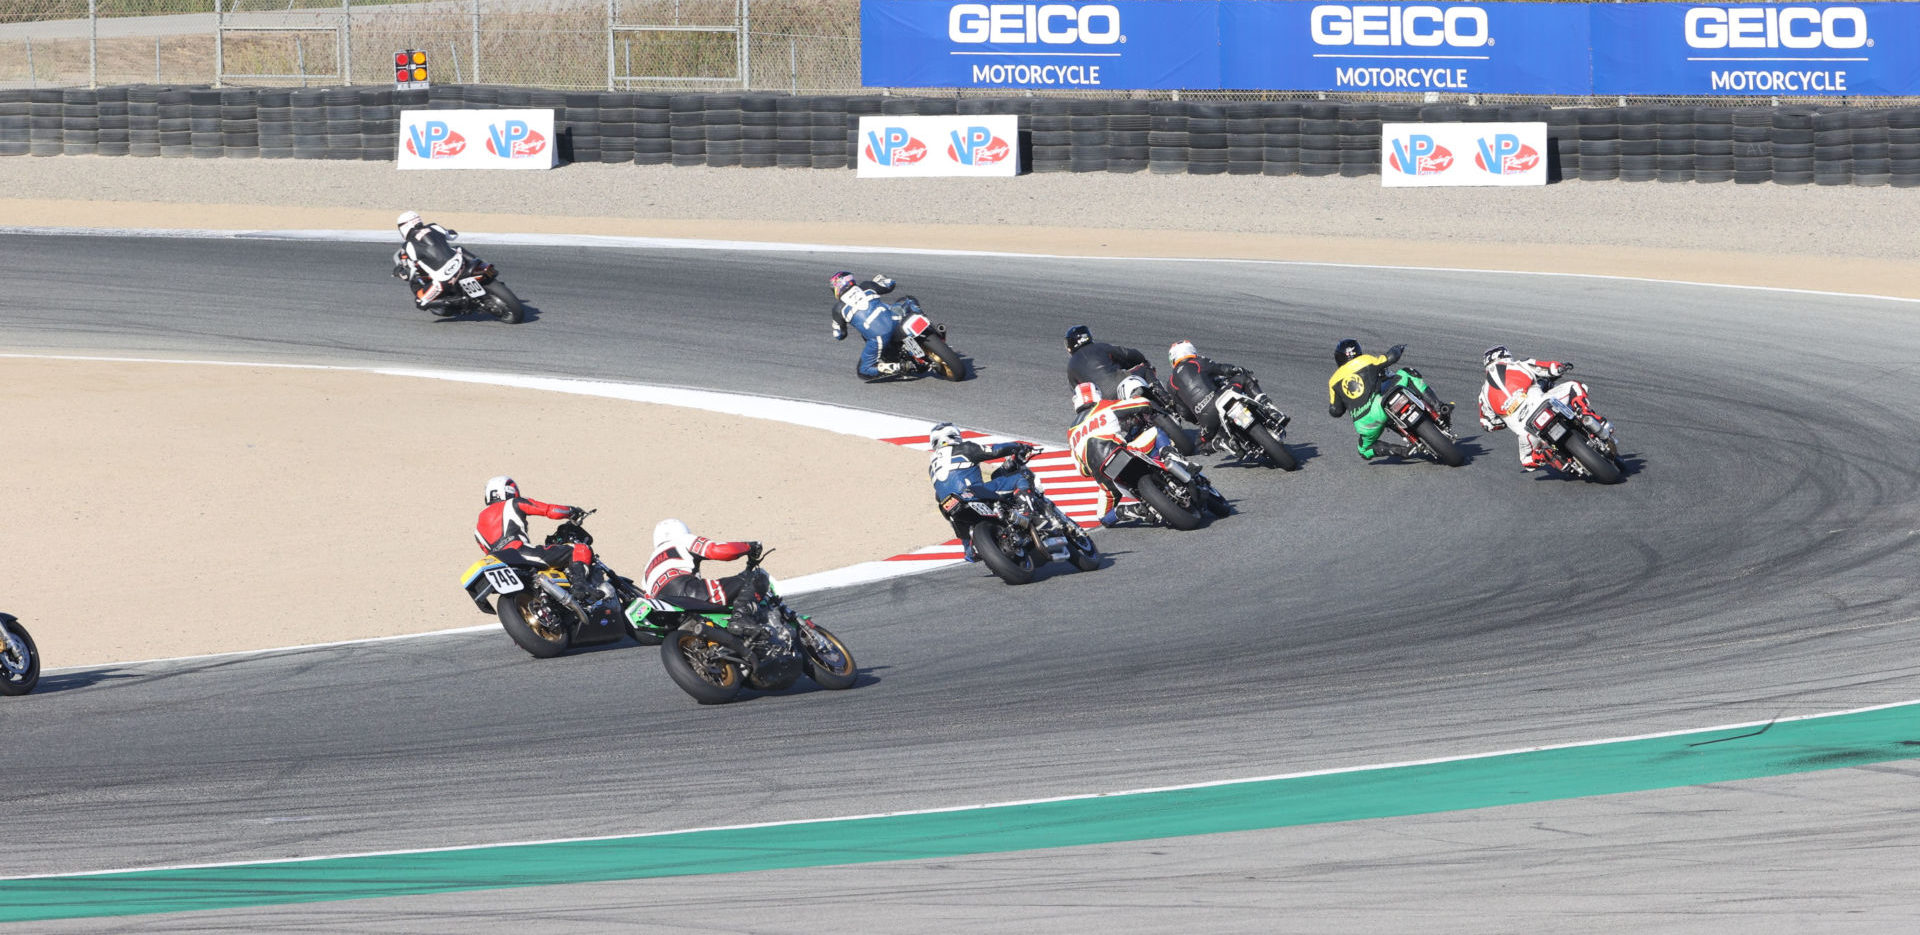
1084,395
502,488
407,221
1179,351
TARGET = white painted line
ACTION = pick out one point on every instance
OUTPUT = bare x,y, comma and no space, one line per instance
755,246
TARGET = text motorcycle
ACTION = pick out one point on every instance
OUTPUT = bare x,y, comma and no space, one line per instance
1015,533
713,651
19,658
536,606
468,284
1580,444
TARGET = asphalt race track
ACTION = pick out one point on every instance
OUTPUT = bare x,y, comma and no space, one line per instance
1760,561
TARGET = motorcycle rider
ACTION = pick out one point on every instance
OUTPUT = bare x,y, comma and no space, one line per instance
1099,425
1514,389
1355,388
424,250
1100,363
503,526
856,303
1196,380
955,468
673,572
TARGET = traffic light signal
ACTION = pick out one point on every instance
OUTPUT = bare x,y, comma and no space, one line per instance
410,69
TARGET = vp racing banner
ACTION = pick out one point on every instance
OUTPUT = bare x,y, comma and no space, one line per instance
1497,48
1769,49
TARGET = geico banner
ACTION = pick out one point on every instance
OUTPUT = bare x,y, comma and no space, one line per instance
921,146
477,139
1429,154
1117,44
1766,49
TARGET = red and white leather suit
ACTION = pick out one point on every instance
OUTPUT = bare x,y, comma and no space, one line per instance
503,525
1103,426
1511,393
672,571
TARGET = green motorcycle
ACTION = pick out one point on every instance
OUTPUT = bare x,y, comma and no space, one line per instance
712,652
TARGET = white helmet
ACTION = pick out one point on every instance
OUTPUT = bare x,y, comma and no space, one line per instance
1130,386
502,488
944,434
407,221
667,530
1084,395
1181,350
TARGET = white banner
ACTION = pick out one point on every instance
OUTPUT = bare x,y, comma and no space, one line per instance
477,139
1421,154
922,146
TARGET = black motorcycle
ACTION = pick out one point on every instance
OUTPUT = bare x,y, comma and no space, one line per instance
536,604
1015,533
1578,444
921,345
1410,407
467,284
1172,489
19,658
712,652
1251,426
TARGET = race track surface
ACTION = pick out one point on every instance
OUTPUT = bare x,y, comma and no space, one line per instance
1759,562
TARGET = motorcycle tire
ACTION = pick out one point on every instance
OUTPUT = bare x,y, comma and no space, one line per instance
826,672
986,547
501,303
707,682
1277,453
1182,442
1438,442
1600,469
1152,491
19,671
1084,558
538,641
945,360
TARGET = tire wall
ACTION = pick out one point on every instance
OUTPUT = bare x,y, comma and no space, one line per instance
1784,145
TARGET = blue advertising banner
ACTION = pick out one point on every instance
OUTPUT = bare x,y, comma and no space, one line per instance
1770,49
1494,48
1120,44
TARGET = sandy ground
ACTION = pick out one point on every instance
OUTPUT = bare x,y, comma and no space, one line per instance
168,521
297,512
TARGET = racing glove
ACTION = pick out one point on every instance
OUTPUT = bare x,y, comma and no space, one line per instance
1489,424
576,514
753,553
839,331
884,282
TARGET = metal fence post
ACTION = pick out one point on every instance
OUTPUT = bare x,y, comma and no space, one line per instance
93,44
33,78
746,44
346,41
219,41
610,69
476,42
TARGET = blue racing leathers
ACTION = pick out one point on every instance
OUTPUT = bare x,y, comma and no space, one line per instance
860,307
955,468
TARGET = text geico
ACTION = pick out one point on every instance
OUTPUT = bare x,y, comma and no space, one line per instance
1794,27
1460,26
1028,23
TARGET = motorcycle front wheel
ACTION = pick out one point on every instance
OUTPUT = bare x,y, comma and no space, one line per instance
693,665
534,623
1601,469
1152,491
1438,442
944,359
986,546
1277,453
501,303
828,661
19,666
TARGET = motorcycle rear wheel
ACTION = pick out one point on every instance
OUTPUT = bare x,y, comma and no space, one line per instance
709,682
1182,442
986,546
827,672
539,640
1600,469
1438,442
501,303
1152,491
944,359
1277,453
19,671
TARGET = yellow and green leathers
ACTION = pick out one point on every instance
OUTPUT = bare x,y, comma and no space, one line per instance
1355,389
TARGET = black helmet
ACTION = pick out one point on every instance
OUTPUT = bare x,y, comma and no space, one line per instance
1078,335
1346,350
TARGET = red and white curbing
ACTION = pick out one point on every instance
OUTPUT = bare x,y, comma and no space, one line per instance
1053,472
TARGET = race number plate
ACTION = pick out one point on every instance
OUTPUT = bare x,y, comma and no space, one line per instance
504,580
472,286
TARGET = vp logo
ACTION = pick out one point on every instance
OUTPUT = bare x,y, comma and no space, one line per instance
513,138
976,146
894,146
1418,154
434,139
1503,153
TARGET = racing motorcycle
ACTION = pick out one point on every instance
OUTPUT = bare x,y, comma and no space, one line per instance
712,651
920,344
1251,426
1014,533
536,606
1411,411
1142,381
1579,444
19,658
1171,488
468,284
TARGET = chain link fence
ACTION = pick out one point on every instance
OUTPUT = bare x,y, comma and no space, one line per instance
798,46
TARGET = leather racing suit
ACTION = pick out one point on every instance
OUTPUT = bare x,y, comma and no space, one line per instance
1514,389
423,260
673,572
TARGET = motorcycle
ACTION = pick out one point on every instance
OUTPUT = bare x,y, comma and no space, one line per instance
536,605
1142,381
1251,426
1013,533
712,652
19,658
1171,488
920,344
1412,413
1580,444
468,284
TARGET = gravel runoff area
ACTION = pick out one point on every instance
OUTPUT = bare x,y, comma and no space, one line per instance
1841,238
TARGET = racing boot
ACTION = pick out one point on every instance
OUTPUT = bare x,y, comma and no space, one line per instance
580,583
1534,460
1391,450
888,368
